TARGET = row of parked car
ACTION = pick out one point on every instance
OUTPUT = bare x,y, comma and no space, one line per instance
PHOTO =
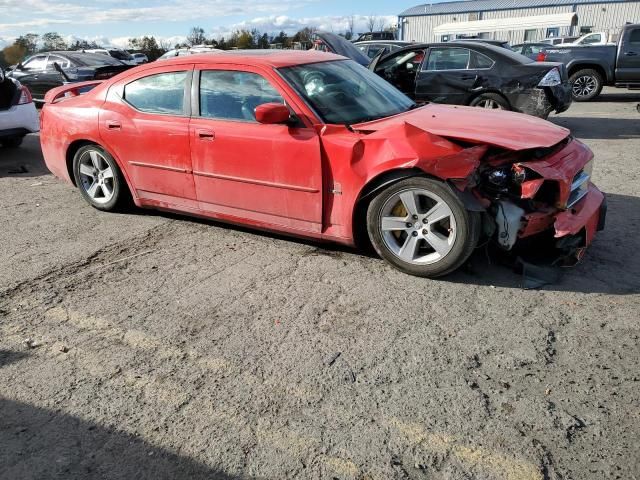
528,78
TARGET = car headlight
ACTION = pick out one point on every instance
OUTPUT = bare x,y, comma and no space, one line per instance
551,79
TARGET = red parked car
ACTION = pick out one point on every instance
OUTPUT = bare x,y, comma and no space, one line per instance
314,145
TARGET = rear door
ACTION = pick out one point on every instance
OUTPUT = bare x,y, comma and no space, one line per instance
451,75
51,78
145,122
628,67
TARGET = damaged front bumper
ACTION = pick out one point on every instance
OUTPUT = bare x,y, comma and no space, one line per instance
541,101
557,210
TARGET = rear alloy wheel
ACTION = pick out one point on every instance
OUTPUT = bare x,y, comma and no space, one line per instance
421,227
13,142
586,85
99,179
490,101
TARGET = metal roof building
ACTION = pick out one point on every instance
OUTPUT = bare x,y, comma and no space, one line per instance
515,20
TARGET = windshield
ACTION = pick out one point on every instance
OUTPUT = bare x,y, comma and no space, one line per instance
343,92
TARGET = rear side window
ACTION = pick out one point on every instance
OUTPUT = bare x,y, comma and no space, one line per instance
478,60
233,95
448,59
161,93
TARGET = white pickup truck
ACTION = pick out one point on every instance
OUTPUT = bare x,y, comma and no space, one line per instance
18,115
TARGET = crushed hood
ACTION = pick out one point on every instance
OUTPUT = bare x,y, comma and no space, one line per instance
513,131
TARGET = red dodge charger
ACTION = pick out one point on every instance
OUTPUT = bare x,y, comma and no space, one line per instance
314,145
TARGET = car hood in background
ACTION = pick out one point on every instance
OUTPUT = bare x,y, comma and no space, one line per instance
513,131
341,46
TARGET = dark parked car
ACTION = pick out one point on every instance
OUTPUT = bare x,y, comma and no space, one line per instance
375,36
380,47
469,73
531,50
592,67
497,43
44,71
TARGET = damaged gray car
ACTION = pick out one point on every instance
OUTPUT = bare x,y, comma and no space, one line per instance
468,73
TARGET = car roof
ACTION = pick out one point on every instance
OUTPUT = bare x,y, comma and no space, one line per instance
269,58
385,42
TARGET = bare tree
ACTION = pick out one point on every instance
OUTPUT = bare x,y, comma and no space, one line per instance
382,23
351,20
371,22
196,36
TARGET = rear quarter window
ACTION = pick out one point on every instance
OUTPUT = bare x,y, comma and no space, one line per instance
162,93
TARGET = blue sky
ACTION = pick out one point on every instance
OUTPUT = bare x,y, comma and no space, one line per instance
116,20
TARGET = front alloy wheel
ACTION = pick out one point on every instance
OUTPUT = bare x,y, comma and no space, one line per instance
420,226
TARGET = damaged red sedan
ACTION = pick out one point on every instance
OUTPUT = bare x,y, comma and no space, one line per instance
314,145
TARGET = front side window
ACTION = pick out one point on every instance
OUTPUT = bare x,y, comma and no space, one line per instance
343,92
234,95
408,61
36,63
634,37
447,58
160,93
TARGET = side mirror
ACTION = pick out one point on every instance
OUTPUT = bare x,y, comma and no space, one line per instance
20,66
272,113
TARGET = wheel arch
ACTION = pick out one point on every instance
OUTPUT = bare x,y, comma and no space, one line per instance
589,66
77,145
368,192
493,92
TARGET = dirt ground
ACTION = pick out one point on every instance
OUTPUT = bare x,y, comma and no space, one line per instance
154,346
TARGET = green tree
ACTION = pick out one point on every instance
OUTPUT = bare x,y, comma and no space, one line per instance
28,42
14,54
147,45
52,41
264,41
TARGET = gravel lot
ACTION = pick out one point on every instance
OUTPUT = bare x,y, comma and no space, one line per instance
147,345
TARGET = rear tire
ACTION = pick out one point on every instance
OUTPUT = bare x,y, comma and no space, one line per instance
13,142
100,180
490,101
420,226
586,85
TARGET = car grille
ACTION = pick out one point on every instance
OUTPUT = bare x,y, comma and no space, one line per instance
580,185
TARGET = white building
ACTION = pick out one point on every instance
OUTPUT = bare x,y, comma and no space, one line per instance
515,20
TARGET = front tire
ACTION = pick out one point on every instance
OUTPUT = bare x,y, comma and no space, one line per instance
420,226
99,179
586,85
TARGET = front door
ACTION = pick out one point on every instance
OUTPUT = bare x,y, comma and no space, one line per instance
628,70
145,121
447,76
29,75
267,174
401,70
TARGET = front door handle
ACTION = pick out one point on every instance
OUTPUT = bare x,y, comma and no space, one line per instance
113,125
206,135
631,54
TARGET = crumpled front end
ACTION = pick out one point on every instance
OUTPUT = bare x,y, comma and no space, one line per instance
543,198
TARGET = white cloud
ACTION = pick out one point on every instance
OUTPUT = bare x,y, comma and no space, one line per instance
18,15
273,24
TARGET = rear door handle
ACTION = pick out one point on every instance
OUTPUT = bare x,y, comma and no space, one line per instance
206,135
113,125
